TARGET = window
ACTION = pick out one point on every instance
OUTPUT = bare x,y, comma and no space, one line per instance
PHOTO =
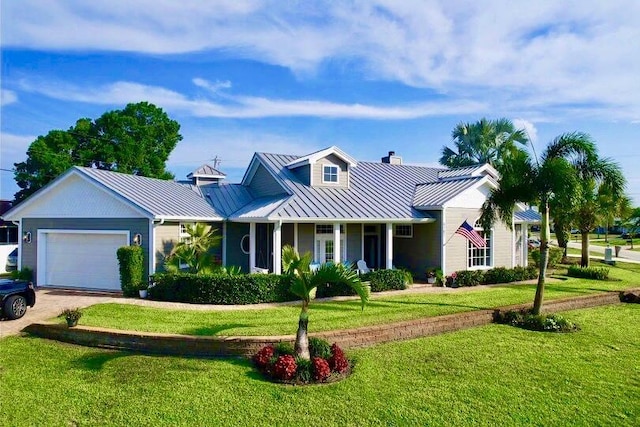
403,230
330,174
479,257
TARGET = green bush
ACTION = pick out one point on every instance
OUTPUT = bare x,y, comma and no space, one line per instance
594,273
24,274
283,348
469,277
385,280
555,256
220,288
131,261
541,322
319,347
334,290
500,275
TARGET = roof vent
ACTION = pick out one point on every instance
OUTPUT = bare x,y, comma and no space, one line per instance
206,175
392,158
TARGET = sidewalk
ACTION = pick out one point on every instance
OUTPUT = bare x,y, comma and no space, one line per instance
624,256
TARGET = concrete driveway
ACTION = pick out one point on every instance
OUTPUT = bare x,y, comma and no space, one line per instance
50,302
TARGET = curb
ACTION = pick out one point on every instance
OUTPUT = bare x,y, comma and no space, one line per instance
246,346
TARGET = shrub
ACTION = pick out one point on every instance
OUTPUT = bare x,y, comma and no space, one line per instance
285,367
321,370
385,280
284,348
469,277
500,275
541,322
131,262
594,273
220,288
338,361
304,373
333,290
263,357
319,347
555,256
24,274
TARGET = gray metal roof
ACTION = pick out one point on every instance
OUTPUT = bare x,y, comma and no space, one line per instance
377,191
435,194
457,172
227,198
161,198
206,171
527,216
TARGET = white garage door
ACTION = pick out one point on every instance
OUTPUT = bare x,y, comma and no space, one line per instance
82,260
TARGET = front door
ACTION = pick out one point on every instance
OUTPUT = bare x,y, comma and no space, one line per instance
371,251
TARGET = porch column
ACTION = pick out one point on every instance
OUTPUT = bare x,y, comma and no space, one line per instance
389,255
277,248
224,243
336,243
252,246
295,236
525,244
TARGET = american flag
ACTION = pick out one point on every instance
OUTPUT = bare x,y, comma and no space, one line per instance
472,235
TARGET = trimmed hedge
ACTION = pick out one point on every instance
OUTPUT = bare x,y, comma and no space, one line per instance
220,288
555,256
594,273
495,275
131,265
386,280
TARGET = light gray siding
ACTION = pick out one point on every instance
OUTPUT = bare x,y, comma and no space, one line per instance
354,243
30,250
235,232
343,175
419,252
168,235
306,234
456,245
263,184
303,173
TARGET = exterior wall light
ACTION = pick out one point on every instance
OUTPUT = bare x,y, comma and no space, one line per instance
26,237
137,239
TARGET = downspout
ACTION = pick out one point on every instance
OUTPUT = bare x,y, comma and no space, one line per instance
19,224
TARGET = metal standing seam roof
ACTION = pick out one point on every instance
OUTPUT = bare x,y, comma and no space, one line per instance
377,191
206,170
527,216
161,198
438,193
457,172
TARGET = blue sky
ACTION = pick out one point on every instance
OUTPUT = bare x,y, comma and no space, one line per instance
294,77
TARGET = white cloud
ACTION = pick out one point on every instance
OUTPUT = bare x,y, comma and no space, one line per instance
576,57
14,148
243,107
212,87
528,127
7,97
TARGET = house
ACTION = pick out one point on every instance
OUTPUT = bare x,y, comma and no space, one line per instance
387,213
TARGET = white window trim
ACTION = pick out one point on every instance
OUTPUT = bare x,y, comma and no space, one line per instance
403,236
329,236
491,252
337,181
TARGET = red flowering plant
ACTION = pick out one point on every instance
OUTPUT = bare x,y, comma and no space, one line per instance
321,369
285,367
263,357
338,361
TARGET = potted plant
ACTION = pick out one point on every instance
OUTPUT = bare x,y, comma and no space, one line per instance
431,275
71,315
143,290
439,275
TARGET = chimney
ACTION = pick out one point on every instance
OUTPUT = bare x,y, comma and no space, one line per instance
392,158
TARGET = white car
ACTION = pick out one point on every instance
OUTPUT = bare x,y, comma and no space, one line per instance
534,243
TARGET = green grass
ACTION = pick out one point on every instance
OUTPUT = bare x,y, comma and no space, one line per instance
617,242
338,315
493,375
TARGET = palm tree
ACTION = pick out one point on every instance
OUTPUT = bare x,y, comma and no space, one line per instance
611,206
538,182
194,250
304,281
486,141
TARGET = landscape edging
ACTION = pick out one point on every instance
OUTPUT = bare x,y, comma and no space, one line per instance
246,346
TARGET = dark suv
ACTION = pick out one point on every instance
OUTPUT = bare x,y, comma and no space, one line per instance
15,296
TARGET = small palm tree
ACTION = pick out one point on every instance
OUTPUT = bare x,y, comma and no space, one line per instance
303,283
554,176
194,250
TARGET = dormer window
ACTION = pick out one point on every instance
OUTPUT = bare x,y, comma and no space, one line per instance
330,174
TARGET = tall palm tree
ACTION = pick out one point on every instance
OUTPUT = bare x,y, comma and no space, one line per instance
304,281
611,206
486,141
526,180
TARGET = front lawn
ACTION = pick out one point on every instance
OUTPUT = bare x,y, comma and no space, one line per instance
492,375
339,315
617,242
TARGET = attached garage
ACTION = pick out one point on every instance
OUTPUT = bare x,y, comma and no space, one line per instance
80,258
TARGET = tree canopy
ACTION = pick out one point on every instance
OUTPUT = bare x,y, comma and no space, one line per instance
135,140
486,141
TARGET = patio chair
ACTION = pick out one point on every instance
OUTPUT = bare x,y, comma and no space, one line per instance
362,267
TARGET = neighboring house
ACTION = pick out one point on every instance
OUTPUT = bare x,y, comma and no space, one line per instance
327,203
8,236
